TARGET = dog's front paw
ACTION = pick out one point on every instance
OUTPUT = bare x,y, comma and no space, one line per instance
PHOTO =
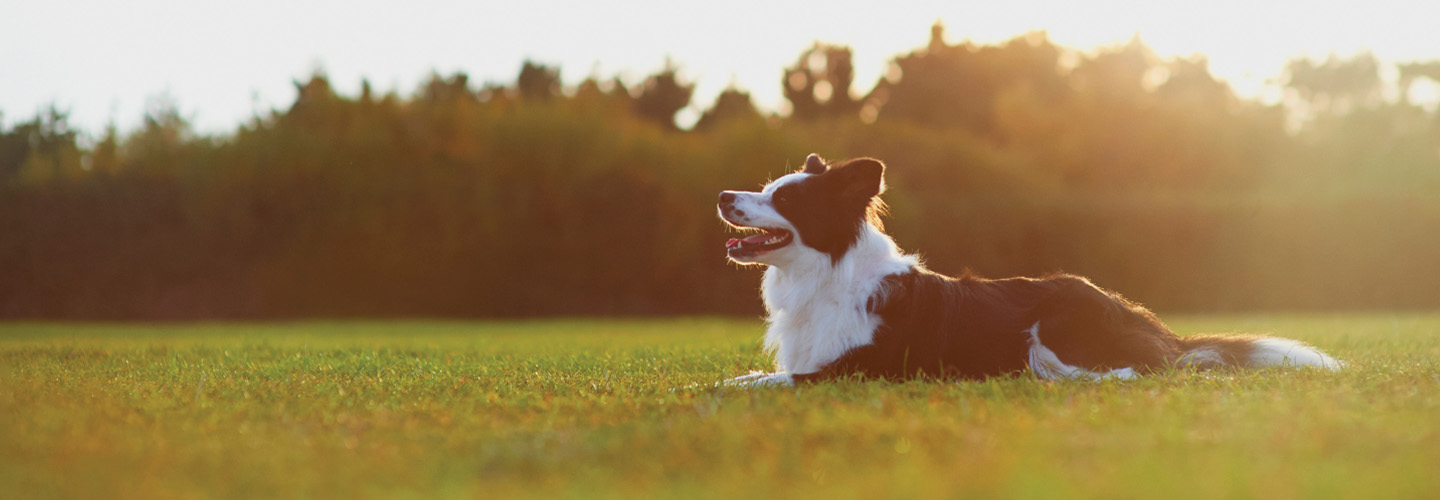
741,380
760,379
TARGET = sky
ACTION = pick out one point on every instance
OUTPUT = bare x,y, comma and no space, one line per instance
222,62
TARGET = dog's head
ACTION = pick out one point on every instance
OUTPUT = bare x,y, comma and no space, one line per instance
817,211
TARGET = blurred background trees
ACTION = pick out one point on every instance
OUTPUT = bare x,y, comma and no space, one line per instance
818,85
529,198
732,105
661,96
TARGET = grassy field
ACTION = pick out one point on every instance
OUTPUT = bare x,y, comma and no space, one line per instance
588,409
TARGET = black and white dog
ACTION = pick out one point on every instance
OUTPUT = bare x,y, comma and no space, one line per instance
843,299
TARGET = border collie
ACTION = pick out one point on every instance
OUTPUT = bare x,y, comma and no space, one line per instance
843,299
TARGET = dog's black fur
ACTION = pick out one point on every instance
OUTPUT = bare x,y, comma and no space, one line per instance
938,326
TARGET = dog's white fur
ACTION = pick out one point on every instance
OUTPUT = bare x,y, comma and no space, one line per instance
816,308
1274,351
1045,364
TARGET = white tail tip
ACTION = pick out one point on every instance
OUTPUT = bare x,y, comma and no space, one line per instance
1272,351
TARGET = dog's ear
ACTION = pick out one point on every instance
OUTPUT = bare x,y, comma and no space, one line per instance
815,165
861,178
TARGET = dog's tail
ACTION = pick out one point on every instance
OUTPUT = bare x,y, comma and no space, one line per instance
1251,351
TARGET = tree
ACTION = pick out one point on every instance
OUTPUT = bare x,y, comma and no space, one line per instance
662,96
607,95
1336,85
441,91
46,142
946,85
315,101
15,148
1190,81
731,105
166,139
1411,71
1117,73
538,82
105,156
818,85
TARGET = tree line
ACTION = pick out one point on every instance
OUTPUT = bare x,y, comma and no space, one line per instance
533,198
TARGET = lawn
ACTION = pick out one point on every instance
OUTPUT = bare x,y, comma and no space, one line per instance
587,409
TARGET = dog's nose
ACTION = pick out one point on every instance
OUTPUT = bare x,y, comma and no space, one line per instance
727,197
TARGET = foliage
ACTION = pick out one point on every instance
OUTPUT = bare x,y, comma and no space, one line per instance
962,85
1339,83
730,106
818,86
601,409
662,96
537,82
42,147
527,198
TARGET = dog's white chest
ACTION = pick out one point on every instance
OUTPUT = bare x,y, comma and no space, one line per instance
807,338
818,306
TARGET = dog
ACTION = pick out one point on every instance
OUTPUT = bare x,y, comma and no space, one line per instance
843,299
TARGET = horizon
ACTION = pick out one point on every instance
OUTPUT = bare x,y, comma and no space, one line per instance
219,76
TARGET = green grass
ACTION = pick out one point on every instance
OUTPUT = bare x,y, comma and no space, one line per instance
586,409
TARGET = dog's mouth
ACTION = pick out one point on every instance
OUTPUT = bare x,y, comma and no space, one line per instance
768,239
